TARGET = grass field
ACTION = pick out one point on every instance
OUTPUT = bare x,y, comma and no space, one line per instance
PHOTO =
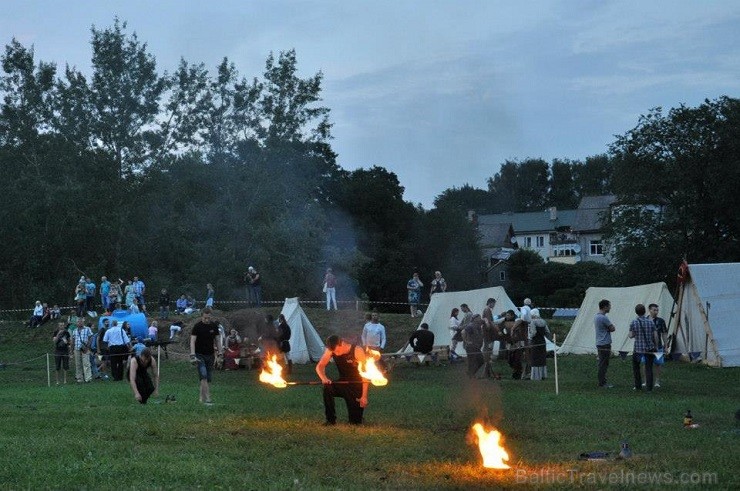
95,436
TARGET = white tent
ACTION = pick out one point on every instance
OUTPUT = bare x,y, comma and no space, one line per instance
707,319
438,312
581,338
305,343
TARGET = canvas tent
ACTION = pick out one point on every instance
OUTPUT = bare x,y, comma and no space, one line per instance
305,343
441,305
581,337
707,318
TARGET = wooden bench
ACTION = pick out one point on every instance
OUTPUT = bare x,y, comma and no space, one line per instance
438,355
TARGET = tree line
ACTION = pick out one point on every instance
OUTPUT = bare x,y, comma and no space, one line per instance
189,177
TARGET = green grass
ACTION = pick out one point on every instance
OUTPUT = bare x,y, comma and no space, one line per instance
96,436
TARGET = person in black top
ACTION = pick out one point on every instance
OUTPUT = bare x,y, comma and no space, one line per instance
283,338
354,388
141,382
422,340
164,304
62,341
205,340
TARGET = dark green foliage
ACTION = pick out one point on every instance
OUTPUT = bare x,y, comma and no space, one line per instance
676,177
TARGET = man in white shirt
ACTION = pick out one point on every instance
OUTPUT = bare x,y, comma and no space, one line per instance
373,334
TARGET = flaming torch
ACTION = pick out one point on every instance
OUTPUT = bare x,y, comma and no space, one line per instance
370,371
272,372
489,443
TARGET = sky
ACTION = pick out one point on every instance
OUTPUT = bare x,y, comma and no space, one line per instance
439,92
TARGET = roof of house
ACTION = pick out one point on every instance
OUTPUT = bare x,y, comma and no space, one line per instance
590,212
533,221
495,234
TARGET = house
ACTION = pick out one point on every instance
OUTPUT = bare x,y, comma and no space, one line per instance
566,236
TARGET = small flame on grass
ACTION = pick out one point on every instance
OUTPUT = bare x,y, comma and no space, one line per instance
272,372
489,443
369,370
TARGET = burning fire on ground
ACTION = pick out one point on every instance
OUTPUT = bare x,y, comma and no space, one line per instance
491,448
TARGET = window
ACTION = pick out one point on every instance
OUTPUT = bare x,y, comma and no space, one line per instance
502,275
541,241
528,242
596,248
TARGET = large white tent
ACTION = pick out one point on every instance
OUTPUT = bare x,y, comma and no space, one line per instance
305,343
707,319
438,312
581,338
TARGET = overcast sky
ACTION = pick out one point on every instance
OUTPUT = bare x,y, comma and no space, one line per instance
439,92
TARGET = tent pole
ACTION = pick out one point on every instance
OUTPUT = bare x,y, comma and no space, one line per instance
555,341
707,330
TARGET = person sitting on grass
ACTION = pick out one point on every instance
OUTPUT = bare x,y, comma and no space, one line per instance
175,329
153,331
141,383
181,304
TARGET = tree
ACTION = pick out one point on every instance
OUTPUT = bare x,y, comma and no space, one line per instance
594,176
562,193
464,198
520,186
675,177
124,94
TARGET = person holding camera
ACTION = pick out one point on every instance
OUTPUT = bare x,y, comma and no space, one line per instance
82,337
61,340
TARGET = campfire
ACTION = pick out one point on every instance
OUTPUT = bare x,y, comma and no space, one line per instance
272,372
489,443
370,371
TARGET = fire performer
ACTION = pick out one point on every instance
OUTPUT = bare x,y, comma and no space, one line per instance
347,357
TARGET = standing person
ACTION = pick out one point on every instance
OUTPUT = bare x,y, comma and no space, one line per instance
455,334
62,341
118,343
490,334
517,346
642,330
283,339
373,334
538,346
115,296
414,286
439,284
526,320
82,337
661,331
330,287
141,383
422,340
90,289
255,286
130,295
139,291
210,294
604,329
105,293
103,349
153,331
472,335
164,304
205,341
80,298
353,389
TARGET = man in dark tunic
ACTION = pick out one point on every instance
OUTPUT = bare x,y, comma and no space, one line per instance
347,358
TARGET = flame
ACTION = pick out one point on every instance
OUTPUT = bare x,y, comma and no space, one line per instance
489,443
369,370
272,372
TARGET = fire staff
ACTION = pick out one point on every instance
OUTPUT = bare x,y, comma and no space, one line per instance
354,388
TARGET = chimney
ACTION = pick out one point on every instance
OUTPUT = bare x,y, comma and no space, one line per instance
553,213
473,217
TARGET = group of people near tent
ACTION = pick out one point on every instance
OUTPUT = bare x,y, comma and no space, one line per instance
521,340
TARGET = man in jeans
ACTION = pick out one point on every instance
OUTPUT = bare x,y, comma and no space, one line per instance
604,328
642,330
205,340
